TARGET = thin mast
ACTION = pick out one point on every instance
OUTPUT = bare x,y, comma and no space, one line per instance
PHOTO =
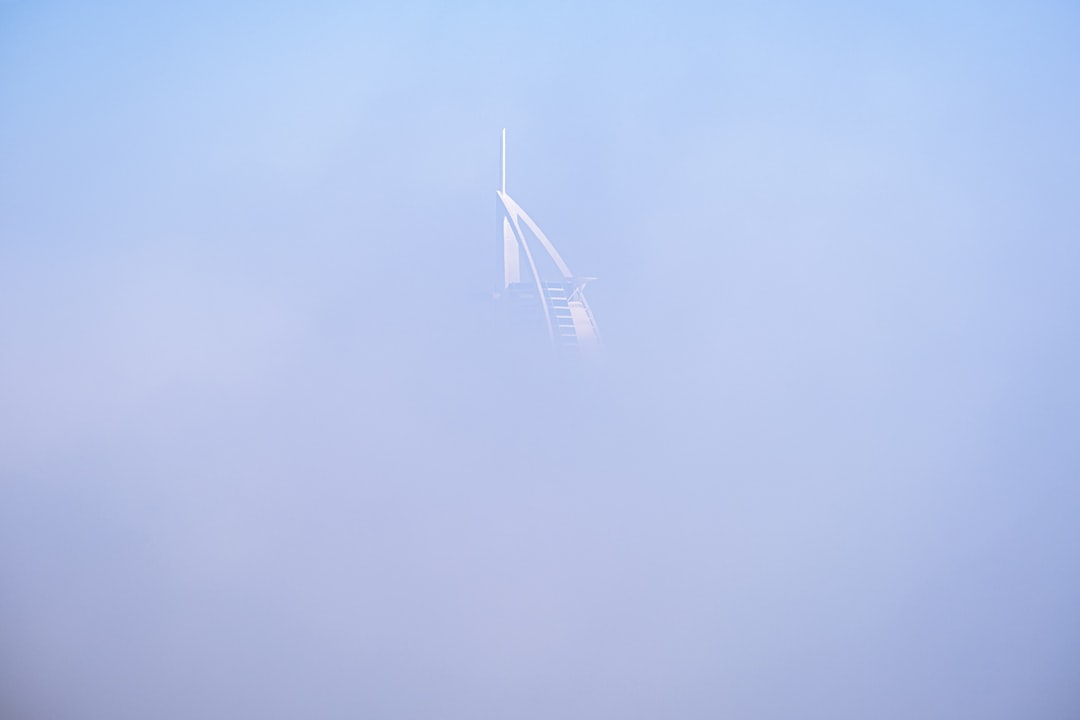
504,161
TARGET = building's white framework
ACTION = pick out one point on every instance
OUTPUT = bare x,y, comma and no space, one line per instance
569,321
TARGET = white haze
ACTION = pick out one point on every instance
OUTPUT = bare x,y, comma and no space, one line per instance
261,455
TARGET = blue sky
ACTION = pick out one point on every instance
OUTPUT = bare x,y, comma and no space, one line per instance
261,454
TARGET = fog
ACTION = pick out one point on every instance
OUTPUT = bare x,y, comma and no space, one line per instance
263,452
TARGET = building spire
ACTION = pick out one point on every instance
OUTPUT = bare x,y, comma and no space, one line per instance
569,320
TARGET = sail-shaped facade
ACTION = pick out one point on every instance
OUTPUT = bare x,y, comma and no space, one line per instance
537,282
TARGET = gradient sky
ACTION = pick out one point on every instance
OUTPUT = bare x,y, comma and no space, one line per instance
261,455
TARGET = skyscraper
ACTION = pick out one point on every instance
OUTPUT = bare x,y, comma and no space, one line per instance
543,295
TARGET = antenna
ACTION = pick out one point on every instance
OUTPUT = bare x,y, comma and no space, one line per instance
504,161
